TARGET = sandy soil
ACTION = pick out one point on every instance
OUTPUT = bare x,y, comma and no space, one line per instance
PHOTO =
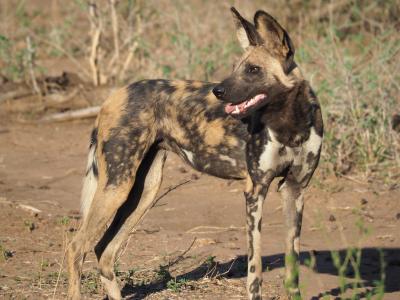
195,233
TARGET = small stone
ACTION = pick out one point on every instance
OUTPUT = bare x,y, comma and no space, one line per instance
194,176
364,201
398,216
182,170
332,218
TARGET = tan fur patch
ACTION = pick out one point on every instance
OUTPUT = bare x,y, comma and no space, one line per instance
144,116
181,90
211,99
249,184
232,141
297,74
110,112
215,133
170,122
197,84
261,56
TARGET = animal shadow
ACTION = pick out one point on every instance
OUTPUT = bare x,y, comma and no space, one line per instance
373,263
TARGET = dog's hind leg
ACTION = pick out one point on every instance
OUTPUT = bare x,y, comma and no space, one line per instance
143,193
106,201
104,205
292,194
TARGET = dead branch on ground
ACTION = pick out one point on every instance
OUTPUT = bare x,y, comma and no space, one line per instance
83,113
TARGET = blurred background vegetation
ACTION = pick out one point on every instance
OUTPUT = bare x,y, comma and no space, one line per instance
348,50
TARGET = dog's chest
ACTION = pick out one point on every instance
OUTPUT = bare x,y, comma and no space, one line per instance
266,155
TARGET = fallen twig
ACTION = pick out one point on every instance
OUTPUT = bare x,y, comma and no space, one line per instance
170,189
213,229
83,113
61,97
29,208
20,92
354,180
181,256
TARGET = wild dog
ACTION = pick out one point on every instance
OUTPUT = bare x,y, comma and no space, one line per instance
262,122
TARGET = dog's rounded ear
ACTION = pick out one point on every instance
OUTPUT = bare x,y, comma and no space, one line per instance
274,37
245,31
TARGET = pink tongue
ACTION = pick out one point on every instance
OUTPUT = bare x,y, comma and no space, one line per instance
229,108
239,108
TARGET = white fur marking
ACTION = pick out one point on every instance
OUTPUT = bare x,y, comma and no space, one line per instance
189,155
314,141
269,157
89,184
299,204
296,244
228,159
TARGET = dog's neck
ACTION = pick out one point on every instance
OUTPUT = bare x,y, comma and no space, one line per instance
288,114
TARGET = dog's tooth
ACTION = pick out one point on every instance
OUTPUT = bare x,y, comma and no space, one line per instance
237,110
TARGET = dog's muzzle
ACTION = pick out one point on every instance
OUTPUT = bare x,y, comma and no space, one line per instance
219,91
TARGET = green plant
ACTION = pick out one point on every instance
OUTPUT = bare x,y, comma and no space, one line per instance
163,273
13,60
349,265
30,225
210,261
44,264
176,285
64,220
90,282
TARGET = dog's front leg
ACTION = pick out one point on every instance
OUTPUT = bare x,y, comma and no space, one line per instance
255,195
292,194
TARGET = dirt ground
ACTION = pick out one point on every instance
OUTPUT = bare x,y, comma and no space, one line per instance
191,245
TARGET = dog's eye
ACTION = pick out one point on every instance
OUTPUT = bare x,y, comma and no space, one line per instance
253,69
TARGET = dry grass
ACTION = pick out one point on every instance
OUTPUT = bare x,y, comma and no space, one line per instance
349,50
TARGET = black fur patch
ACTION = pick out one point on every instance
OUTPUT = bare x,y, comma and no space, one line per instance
93,143
255,289
93,137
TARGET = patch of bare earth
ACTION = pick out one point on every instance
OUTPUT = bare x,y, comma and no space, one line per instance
191,245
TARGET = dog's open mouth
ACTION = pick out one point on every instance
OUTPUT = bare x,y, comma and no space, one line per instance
243,107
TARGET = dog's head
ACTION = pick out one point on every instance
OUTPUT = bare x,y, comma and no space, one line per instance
264,70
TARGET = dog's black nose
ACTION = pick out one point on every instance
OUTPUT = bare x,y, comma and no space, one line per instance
219,91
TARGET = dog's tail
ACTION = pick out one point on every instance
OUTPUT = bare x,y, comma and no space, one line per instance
91,177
